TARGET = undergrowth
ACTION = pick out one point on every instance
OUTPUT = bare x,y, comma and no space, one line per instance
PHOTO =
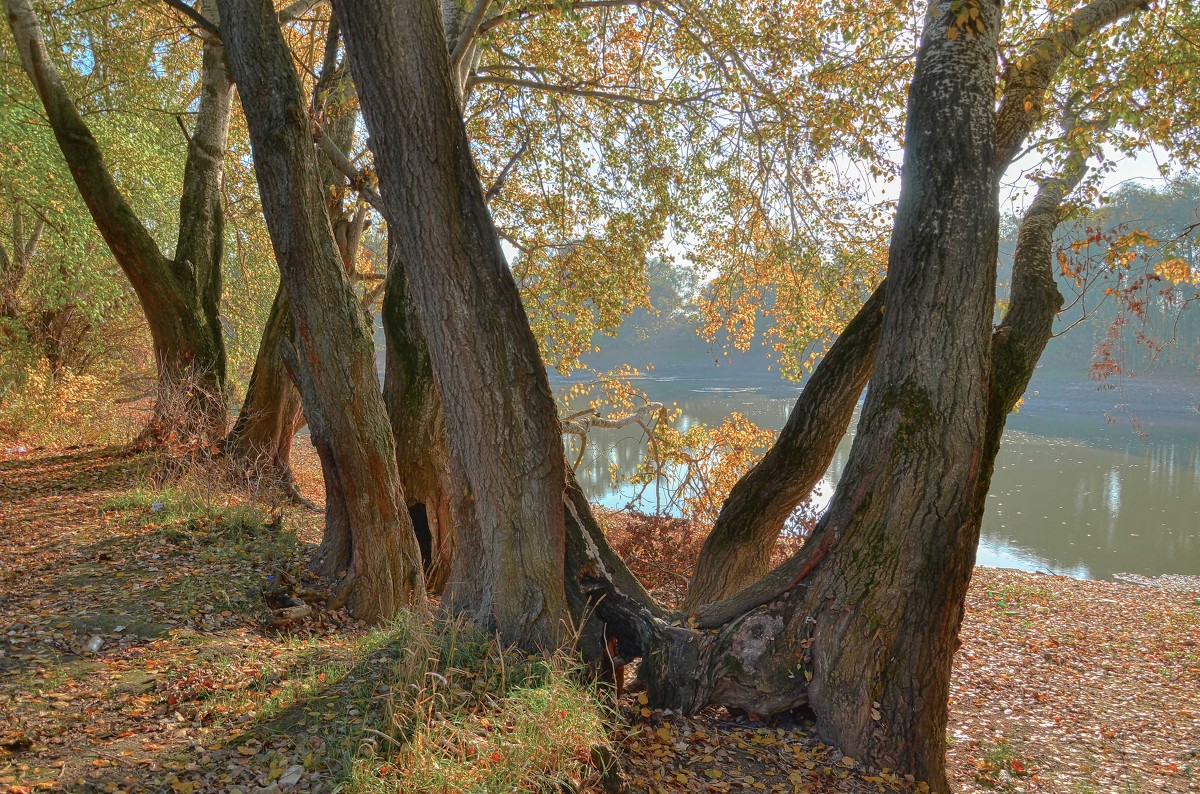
461,713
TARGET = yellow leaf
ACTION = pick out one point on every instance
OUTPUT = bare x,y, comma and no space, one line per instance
643,699
952,33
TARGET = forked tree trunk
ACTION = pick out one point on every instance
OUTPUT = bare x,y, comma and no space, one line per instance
738,548
179,296
503,435
870,608
737,552
335,357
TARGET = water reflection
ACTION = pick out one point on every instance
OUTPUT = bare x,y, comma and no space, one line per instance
1071,494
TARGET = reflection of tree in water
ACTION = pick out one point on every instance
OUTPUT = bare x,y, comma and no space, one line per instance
1093,503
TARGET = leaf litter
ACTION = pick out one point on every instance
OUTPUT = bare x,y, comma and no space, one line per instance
136,654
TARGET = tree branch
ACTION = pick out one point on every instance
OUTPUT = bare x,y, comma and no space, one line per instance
498,185
342,163
194,15
518,14
469,32
296,10
587,93
1026,79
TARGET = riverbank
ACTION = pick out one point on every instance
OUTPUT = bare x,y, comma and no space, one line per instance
136,655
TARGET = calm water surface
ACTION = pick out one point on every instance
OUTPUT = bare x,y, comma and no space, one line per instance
1077,490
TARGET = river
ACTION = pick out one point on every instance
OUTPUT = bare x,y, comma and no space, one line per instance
1089,482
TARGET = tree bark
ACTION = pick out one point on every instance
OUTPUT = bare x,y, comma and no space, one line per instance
503,435
261,439
737,552
415,411
179,296
870,607
335,357
260,442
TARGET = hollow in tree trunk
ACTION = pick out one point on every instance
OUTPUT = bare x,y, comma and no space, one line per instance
502,429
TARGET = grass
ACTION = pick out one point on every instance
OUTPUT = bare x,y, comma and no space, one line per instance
457,712
420,706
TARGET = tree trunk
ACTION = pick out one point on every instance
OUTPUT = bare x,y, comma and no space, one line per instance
260,442
14,266
335,359
179,296
738,550
503,435
870,608
415,411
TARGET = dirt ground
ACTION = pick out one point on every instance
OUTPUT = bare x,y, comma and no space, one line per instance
134,656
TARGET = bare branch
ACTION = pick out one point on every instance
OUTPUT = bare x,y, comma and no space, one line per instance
342,163
296,10
470,31
587,93
581,423
194,15
498,185
518,14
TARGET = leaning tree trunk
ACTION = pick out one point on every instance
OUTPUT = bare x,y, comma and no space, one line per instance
179,296
737,552
335,358
503,435
260,442
870,608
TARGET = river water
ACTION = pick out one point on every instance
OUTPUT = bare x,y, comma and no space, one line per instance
1089,482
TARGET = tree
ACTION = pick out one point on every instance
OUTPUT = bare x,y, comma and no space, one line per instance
861,625
179,294
369,537
506,458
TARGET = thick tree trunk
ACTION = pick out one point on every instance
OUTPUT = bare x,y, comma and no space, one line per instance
415,411
870,608
179,297
260,442
738,550
503,435
335,359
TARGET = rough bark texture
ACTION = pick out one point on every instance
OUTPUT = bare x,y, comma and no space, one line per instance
1025,79
415,411
179,296
271,415
738,550
1034,301
503,435
871,606
335,359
